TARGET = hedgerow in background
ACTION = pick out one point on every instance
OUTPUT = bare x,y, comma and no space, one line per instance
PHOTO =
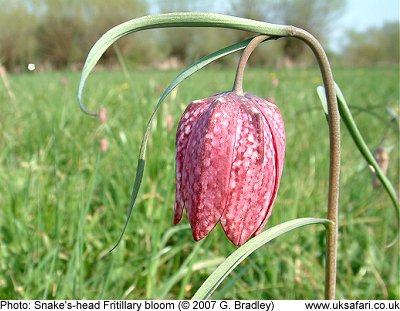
57,34
329,102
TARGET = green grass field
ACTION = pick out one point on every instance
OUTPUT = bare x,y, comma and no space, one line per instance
63,202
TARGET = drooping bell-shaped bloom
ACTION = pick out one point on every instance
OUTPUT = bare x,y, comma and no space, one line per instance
229,160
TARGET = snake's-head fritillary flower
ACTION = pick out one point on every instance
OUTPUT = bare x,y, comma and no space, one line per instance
103,115
229,160
104,145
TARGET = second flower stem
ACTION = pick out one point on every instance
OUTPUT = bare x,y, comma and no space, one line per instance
238,84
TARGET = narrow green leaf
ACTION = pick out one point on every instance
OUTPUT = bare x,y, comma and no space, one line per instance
215,279
363,148
135,190
171,20
322,98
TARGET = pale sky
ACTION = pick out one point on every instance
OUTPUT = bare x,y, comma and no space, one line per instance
362,14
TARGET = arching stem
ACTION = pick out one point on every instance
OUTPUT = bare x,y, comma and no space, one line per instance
238,84
334,138
334,165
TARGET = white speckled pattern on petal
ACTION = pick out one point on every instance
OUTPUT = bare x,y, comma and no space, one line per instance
229,160
277,129
190,116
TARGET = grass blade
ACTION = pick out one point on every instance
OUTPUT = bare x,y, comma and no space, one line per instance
213,281
363,148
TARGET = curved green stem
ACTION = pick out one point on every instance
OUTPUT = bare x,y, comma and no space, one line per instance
238,84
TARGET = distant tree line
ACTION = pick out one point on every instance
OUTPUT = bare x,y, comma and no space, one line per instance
58,34
376,45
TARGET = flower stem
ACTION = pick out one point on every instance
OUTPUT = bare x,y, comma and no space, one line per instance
238,84
334,165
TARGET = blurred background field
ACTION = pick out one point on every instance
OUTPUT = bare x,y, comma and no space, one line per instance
63,201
